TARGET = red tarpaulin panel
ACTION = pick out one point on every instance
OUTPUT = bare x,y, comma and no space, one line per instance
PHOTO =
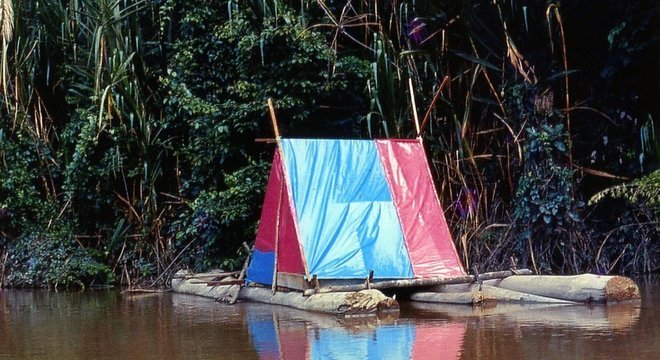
289,259
265,241
427,237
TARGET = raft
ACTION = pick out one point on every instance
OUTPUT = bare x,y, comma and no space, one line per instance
346,221
366,299
356,303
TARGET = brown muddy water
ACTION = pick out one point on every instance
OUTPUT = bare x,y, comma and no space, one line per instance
109,325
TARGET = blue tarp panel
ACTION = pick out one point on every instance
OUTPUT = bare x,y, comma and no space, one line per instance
387,342
343,205
261,267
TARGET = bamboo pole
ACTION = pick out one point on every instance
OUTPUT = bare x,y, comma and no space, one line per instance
413,104
273,119
278,138
277,235
401,283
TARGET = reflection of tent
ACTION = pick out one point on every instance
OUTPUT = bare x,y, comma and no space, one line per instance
341,209
274,337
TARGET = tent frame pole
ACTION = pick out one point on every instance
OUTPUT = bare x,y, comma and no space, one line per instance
426,282
277,236
276,129
273,119
413,104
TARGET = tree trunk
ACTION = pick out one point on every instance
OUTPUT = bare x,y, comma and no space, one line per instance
487,294
579,288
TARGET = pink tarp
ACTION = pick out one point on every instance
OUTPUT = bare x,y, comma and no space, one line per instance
427,237
288,258
265,241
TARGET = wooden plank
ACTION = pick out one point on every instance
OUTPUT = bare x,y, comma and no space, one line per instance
292,281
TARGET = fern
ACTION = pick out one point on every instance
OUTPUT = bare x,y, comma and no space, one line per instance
644,192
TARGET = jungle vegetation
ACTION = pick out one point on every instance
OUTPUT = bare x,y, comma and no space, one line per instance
127,127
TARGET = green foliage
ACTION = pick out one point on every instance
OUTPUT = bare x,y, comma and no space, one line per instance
628,217
544,195
219,221
85,115
54,262
387,90
20,186
129,125
546,212
214,112
642,192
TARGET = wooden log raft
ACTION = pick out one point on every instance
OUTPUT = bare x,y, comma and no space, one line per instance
365,302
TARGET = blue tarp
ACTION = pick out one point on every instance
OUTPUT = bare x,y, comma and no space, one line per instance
261,267
343,205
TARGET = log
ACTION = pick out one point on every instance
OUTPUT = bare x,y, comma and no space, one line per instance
427,282
366,302
487,294
585,288
210,275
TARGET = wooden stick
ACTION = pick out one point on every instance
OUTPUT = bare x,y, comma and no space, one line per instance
413,104
241,276
273,119
277,234
284,174
444,83
209,275
266,140
168,266
2,273
389,284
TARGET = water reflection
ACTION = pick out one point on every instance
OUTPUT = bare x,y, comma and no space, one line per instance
514,331
594,319
280,334
109,325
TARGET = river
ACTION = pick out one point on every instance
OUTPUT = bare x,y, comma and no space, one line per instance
106,324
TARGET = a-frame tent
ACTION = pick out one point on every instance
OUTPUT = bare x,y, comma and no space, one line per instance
348,209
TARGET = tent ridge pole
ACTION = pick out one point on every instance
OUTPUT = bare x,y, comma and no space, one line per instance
273,119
